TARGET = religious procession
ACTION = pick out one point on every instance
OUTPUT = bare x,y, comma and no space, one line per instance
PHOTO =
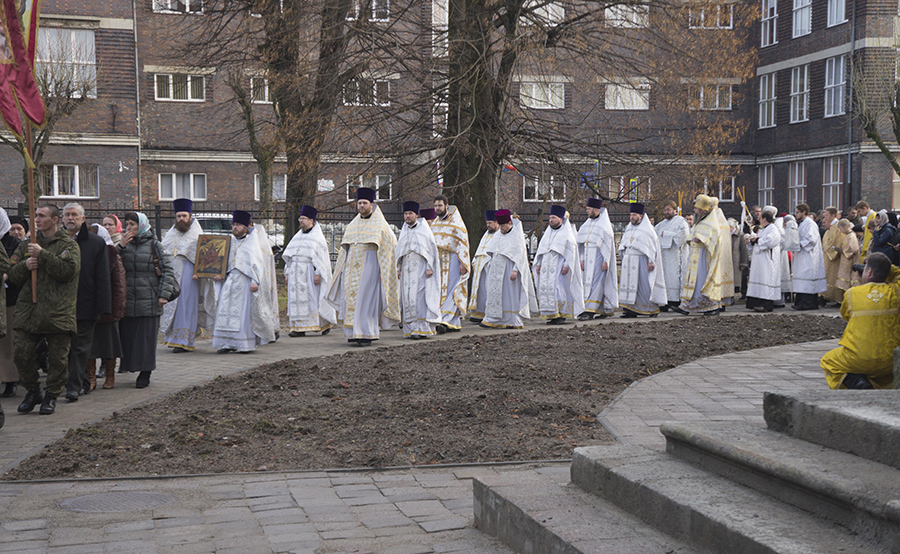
107,291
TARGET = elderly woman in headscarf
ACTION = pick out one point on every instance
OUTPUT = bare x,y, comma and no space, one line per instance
150,280
883,236
106,344
9,375
113,227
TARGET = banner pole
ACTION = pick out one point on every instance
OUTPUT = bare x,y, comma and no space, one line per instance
30,172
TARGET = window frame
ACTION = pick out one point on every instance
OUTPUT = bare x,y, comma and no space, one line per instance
765,191
702,95
835,6
171,87
800,96
193,195
718,184
767,104
266,98
768,23
51,36
356,181
701,22
835,90
632,16
52,180
158,6
275,185
374,91
639,90
797,182
801,18
547,103
353,14
551,185
833,170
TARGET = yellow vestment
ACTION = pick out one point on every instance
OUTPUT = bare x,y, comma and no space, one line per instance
714,234
831,248
867,236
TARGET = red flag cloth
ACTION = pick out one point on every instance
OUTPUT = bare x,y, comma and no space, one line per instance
18,89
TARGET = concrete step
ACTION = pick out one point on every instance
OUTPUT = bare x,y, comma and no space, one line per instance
711,512
854,492
543,514
861,422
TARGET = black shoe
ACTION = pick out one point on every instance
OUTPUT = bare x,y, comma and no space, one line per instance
678,310
474,320
71,396
179,350
664,308
586,316
325,332
453,329
143,380
121,370
628,314
32,399
441,329
416,337
220,351
654,315
2,418
295,334
9,390
857,382
85,391
277,336
48,406
712,312
557,321
363,342
483,325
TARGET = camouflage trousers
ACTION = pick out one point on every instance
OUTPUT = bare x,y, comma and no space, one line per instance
27,361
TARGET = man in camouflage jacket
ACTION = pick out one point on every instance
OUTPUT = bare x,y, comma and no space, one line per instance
57,259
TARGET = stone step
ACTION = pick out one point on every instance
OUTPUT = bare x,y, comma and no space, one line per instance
861,422
709,511
851,491
540,514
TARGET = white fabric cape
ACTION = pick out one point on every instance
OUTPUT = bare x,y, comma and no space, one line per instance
512,247
183,246
420,240
765,270
479,262
598,234
562,242
269,276
643,239
809,262
451,235
306,248
673,235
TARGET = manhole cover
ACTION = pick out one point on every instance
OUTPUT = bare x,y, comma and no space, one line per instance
132,501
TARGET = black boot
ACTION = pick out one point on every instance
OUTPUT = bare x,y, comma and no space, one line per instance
9,390
32,399
2,417
48,406
143,380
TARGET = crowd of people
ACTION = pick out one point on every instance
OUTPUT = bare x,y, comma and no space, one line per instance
105,292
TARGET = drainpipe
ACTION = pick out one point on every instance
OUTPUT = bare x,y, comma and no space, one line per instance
137,100
849,193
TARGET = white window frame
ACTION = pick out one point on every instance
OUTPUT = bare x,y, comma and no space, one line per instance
832,181
547,14
796,184
264,84
800,93
171,86
193,186
279,187
835,81
767,98
178,6
51,181
540,186
628,96
766,188
440,40
628,16
769,23
700,96
381,182
378,7
802,18
70,56
720,188
837,12
543,95
377,99
723,18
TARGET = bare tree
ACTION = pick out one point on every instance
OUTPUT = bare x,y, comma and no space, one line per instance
876,100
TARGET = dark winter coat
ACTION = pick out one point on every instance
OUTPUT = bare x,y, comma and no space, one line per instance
10,243
94,295
57,285
117,285
4,267
145,288
881,242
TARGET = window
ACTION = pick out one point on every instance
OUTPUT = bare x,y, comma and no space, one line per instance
182,185
279,188
628,16
837,13
181,88
710,97
832,178
65,59
632,96
766,189
834,86
544,13
800,94
373,10
896,185
439,119
796,184
802,17
543,96
380,183
717,16
178,6
367,92
769,23
259,90
69,181
723,189
766,100
439,28
540,189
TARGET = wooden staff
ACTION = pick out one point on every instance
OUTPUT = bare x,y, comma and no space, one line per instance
30,172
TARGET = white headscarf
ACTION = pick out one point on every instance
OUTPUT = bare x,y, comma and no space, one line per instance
5,225
104,234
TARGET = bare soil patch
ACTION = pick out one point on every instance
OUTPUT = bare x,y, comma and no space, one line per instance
511,397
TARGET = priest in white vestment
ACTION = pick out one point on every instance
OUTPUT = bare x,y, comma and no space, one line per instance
557,270
790,244
269,283
184,318
244,311
510,290
673,232
417,270
809,262
709,276
452,240
764,283
307,273
642,286
480,263
365,292
597,251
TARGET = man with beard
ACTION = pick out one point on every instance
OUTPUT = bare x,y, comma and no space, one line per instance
510,291
244,317
597,251
709,276
94,300
557,271
831,247
420,287
452,240
480,264
673,234
365,292
642,289
307,271
184,319
809,262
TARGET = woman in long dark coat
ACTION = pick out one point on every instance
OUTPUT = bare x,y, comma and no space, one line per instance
9,374
106,344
